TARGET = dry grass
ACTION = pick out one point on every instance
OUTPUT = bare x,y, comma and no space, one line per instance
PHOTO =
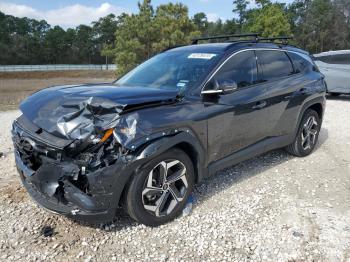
58,74
15,86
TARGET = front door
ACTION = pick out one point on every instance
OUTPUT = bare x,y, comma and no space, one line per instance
238,119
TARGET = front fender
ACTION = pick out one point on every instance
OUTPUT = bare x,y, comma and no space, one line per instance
138,159
186,137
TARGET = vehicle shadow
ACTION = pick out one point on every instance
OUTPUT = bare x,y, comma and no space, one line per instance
222,180
226,178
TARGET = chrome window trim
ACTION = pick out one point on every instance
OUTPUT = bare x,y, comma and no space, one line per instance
211,91
245,50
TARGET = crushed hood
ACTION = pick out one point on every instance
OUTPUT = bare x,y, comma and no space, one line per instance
79,111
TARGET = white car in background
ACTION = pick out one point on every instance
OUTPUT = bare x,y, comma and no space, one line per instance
335,65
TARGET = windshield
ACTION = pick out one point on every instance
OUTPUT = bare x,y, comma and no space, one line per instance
171,70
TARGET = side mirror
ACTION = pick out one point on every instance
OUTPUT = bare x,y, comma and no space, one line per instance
222,86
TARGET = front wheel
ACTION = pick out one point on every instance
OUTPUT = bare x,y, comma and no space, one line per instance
307,135
159,192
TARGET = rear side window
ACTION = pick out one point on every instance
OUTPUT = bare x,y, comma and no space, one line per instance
301,65
241,68
274,65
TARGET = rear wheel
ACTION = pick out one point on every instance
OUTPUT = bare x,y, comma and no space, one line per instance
159,192
307,135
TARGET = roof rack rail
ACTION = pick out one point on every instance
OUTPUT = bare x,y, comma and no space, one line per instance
256,38
284,39
196,40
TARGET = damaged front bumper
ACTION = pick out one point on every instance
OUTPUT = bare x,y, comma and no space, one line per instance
73,202
62,185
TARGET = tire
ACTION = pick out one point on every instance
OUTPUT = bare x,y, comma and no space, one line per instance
152,201
307,135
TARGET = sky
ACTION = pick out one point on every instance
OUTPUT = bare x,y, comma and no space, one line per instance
68,13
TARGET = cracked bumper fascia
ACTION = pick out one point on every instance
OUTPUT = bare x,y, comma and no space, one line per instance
99,205
107,185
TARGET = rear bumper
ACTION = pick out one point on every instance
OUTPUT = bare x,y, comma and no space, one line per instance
77,205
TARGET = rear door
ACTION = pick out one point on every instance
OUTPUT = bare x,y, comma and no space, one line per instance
280,82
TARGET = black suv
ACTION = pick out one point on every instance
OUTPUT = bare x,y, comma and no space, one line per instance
143,141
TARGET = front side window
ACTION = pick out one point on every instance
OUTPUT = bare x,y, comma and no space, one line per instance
241,69
274,64
171,70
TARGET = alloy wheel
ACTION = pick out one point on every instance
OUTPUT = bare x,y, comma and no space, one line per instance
165,187
309,133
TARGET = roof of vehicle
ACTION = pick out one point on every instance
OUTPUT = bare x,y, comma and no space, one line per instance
207,48
329,53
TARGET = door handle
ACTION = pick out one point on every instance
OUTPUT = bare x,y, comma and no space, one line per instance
259,105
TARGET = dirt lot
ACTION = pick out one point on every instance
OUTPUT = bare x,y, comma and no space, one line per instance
14,86
272,208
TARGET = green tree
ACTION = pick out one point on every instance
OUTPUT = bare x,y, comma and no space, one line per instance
201,21
84,43
320,25
240,7
262,3
134,37
232,27
269,21
317,25
54,45
104,29
140,36
71,50
104,32
174,26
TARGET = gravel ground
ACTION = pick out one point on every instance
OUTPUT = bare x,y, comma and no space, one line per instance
272,208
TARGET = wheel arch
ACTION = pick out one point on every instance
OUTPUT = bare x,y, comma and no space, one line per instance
318,108
185,141
318,104
193,154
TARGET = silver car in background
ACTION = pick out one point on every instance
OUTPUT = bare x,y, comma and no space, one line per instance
335,65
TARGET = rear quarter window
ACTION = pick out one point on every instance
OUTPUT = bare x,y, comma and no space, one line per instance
301,64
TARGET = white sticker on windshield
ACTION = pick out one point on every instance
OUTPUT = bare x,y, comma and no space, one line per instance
201,56
180,84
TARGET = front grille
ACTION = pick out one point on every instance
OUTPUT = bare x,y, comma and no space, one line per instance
26,152
31,150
